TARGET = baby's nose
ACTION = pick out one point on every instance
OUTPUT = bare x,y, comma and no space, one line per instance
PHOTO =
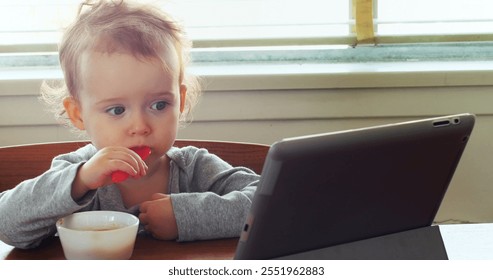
139,126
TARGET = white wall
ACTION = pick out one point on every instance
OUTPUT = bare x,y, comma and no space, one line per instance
266,104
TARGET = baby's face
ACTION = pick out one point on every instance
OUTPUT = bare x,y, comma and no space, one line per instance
127,101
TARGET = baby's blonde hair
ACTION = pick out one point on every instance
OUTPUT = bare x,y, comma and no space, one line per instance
111,26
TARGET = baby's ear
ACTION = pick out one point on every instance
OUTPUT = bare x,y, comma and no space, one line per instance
72,107
183,97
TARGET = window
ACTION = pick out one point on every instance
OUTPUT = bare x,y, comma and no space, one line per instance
433,17
34,26
213,23
434,20
210,23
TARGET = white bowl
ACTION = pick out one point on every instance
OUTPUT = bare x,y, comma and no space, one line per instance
98,235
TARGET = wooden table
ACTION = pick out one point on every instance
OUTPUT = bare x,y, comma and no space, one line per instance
146,248
462,242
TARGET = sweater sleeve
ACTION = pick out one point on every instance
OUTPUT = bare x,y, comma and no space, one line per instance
210,198
31,209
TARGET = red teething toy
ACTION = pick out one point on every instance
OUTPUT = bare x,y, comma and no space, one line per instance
120,176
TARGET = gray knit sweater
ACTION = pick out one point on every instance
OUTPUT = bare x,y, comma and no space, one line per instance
210,198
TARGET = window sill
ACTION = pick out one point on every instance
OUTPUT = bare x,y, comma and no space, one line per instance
347,75
270,76
306,67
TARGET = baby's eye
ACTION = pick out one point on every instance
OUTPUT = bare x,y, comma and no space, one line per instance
117,110
160,105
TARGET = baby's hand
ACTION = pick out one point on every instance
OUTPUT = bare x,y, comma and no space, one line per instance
97,171
119,175
158,217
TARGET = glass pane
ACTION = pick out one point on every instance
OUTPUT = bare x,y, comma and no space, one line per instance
261,18
204,19
411,17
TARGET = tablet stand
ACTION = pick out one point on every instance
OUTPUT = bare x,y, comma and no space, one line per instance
419,244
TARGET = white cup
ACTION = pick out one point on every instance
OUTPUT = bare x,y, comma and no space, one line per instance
97,235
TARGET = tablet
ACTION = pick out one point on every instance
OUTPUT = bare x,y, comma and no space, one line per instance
329,189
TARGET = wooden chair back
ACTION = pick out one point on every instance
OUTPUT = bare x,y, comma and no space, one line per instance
22,162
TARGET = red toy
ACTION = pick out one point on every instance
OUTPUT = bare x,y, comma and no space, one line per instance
120,176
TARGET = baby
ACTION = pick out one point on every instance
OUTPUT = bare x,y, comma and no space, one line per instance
127,88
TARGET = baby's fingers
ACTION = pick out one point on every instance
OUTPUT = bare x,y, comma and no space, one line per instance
127,164
143,219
